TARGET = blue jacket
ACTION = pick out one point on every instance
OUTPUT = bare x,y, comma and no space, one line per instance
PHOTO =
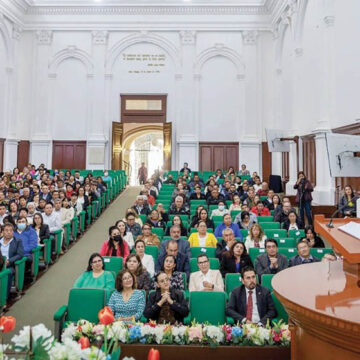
234,227
182,263
28,238
183,247
16,251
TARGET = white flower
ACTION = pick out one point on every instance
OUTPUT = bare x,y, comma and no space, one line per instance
147,330
159,332
58,352
86,326
41,331
73,350
93,353
69,332
3,348
264,333
22,340
214,333
118,331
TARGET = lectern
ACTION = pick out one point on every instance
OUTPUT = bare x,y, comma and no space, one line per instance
323,300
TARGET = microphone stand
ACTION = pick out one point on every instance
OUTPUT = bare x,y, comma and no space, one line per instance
330,225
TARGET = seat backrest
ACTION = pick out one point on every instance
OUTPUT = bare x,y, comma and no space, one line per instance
244,233
182,217
319,253
255,252
4,277
288,252
85,304
113,263
270,225
142,217
232,281
297,234
266,280
287,243
281,312
276,234
158,231
153,251
265,219
207,307
217,218
197,250
234,213
214,264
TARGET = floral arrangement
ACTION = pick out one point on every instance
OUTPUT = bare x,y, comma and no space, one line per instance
203,334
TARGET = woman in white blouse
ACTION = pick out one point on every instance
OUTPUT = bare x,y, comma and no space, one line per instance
256,237
146,260
126,235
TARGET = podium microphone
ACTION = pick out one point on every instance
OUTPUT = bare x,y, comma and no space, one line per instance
330,225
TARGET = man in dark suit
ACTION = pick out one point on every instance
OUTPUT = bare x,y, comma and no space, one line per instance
251,303
183,245
272,262
182,261
45,194
12,249
140,207
303,256
226,243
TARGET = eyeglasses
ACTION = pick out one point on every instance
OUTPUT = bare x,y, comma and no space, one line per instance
163,281
203,262
96,261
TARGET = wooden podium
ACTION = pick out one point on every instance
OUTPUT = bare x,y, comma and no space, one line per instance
323,299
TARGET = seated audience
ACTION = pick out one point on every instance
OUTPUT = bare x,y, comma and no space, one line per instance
251,303
202,237
205,279
227,223
303,256
95,277
163,215
12,250
220,211
281,213
293,222
147,261
177,220
236,204
115,246
42,230
236,259
312,238
260,209
256,237
134,265
215,198
166,304
169,268
328,257
203,215
148,237
126,235
136,215
127,303
243,170
196,217
182,261
140,207
228,238
169,179
245,220
66,212
183,244
14,210
132,226
274,203
178,207
347,202
250,200
271,262
154,220
197,194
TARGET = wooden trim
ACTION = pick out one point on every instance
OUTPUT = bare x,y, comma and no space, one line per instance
266,161
61,160
116,145
309,157
352,129
2,142
23,154
143,116
167,145
285,166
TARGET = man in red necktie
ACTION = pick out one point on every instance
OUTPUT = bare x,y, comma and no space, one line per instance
250,302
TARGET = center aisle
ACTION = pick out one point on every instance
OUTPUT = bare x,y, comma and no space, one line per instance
43,298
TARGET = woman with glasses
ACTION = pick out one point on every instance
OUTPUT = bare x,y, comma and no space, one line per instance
95,277
166,305
169,268
148,237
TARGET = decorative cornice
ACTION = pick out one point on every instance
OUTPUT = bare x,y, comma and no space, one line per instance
16,32
149,10
44,37
100,37
188,37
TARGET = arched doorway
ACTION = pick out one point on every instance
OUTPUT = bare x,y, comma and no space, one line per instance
144,146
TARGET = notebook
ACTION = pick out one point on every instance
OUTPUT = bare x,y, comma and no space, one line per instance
352,228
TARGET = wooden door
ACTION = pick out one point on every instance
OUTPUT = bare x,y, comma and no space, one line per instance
117,140
2,141
266,161
167,145
309,157
218,156
23,154
69,155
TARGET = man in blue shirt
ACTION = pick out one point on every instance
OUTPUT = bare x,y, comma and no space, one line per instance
227,223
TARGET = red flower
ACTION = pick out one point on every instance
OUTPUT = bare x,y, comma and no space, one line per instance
7,323
153,354
84,342
106,316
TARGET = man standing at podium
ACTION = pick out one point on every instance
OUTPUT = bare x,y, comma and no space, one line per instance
303,256
251,303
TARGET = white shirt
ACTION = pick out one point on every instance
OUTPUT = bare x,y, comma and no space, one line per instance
129,239
5,248
293,227
53,220
251,244
148,262
255,313
205,277
202,240
217,212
